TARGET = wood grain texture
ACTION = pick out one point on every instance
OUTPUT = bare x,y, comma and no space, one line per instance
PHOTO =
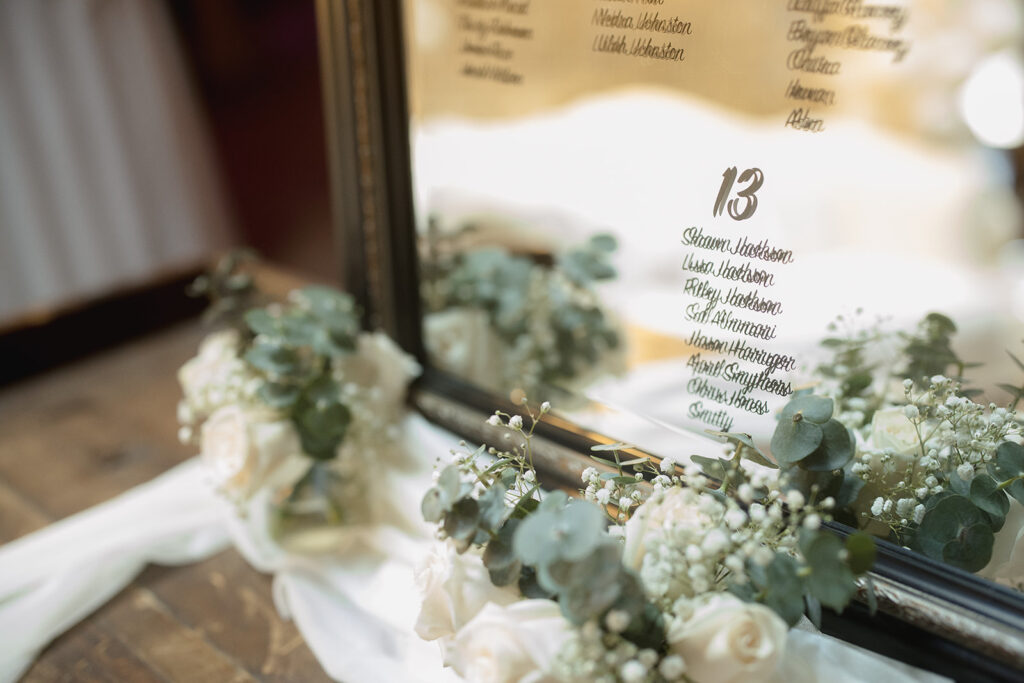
84,433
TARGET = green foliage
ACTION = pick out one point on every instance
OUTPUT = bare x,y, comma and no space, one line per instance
799,432
861,552
545,313
229,289
929,351
956,531
813,447
293,347
778,586
590,262
1008,469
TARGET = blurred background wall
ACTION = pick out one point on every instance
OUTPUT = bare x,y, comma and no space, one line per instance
141,136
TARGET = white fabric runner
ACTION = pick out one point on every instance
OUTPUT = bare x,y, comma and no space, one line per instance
355,608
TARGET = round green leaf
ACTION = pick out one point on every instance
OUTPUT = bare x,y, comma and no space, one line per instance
831,580
433,506
816,409
950,532
861,551
506,576
835,450
1009,461
499,553
795,440
985,494
461,521
972,549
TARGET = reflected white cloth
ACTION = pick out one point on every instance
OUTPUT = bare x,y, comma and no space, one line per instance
355,608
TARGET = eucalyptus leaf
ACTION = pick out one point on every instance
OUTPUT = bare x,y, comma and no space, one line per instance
794,440
272,359
1009,461
499,553
861,551
835,450
811,408
506,576
569,533
849,489
779,587
434,505
712,467
745,446
261,322
530,587
604,242
831,580
985,494
450,483
321,427
972,549
492,507
279,396
954,531
461,521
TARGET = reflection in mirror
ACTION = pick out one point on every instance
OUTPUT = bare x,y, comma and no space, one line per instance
706,216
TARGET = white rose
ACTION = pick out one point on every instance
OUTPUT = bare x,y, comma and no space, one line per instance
248,449
454,589
892,431
726,640
673,508
461,341
506,644
215,377
1007,563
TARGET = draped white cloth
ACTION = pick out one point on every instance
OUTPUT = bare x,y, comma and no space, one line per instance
355,608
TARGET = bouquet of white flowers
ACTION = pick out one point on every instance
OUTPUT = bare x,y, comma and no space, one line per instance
294,406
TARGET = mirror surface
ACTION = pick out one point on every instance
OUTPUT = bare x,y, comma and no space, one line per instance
652,213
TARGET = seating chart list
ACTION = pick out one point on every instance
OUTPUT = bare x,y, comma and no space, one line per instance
729,280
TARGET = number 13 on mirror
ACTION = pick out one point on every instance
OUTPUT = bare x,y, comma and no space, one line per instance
737,210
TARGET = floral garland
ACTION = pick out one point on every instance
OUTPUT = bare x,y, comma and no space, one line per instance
662,581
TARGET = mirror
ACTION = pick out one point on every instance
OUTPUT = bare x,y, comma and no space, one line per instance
628,208
667,217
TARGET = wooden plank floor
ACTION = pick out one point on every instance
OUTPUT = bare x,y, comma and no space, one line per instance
83,433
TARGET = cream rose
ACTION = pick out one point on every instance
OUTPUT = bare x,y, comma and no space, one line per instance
215,377
675,507
726,640
248,449
892,431
1007,563
507,644
461,341
454,589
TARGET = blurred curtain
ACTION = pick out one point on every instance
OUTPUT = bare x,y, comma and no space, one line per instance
106,175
